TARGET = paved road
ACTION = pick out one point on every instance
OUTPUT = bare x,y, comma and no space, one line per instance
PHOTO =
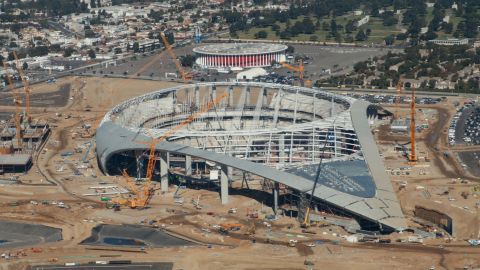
134,266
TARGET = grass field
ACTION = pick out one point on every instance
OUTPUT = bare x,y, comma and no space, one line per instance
377,35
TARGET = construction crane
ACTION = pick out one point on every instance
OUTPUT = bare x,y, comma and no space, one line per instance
300,69
18,103
142,198
185,76
306,219
26,88
412,158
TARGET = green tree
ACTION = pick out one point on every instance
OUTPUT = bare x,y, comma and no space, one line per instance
11,57
261,34
333,27
389,40
68,52
187,60
360,36
136,47
91,54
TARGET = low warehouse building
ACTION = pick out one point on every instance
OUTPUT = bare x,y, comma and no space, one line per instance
17,163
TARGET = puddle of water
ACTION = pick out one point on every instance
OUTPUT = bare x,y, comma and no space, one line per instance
122,241
4,242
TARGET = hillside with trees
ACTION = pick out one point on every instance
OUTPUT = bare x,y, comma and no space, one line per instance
427,67
389,21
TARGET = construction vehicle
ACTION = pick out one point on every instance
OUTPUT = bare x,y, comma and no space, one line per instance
251,213
229,227
16,100
26,88
142,198
185,76
292,243
412,157
197,203
251,230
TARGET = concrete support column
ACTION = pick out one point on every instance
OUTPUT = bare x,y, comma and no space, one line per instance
197,96
174,101
281,149
139,160
214,92
264,99
188,165
247,97
224,184
276,190
164,164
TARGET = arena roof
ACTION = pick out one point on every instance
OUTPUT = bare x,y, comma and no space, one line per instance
368,194
240,48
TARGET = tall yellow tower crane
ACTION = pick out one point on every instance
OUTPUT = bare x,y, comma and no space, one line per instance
26,88
18,103
142,197
185,76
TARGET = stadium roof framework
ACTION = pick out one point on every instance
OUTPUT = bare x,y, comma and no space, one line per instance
277,132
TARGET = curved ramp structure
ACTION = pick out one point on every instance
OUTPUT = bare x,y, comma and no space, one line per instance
276,132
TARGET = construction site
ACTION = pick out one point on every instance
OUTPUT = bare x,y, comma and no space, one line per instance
147,174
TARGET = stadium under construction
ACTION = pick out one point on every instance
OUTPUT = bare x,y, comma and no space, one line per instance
272,132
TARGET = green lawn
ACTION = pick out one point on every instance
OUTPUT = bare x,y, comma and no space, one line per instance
378,30
378,34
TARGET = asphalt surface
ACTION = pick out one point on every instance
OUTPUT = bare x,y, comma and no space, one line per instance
140,234
23,234
133,266
472,160
338,59
57,98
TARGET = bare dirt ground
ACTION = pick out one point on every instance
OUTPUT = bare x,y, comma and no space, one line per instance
437,181
54,178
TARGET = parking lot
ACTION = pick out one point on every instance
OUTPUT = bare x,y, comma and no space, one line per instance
465,126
